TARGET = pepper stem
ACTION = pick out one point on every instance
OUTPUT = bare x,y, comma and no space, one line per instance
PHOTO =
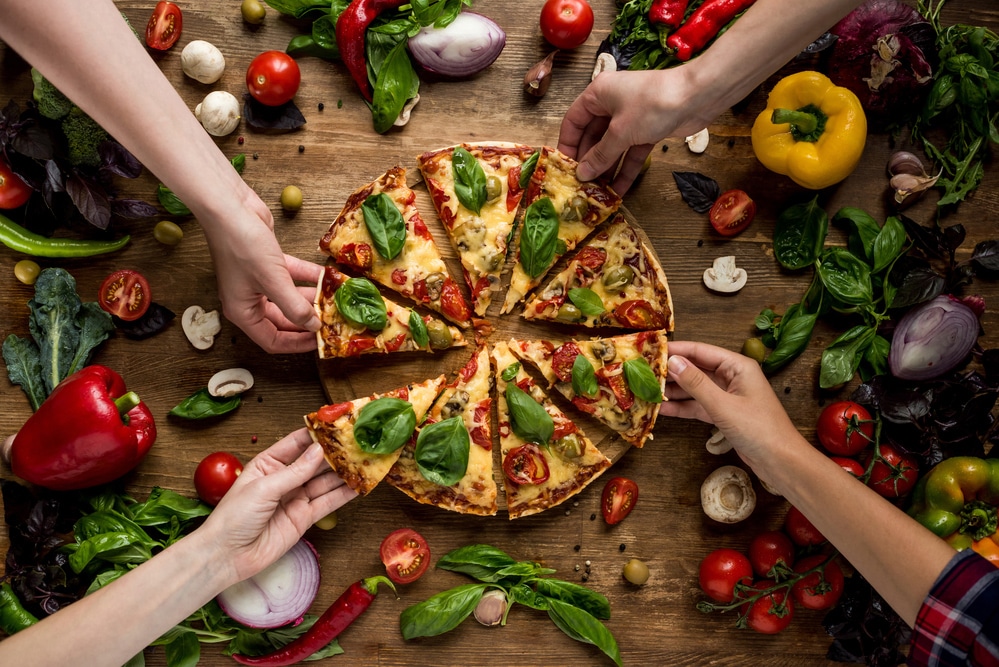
978,519
807,123
126,402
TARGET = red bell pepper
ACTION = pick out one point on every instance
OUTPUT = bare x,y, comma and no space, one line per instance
668,13
89,431
703,25
351,27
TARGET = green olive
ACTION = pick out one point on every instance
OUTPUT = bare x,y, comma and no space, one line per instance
27,271
439,334
167,232
575,210
618,277
291,198
569,313
253,11
327,522
434,283
568,447
636,572
494,187
754,349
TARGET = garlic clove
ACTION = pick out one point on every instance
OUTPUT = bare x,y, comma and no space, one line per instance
698,142
906,185
904,162
539,77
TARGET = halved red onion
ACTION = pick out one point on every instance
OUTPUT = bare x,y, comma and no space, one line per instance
278,595
468,45
932,338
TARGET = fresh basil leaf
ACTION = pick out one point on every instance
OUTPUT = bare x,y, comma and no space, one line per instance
385,224
699,191
795,330
846,277
441,613
523,594
164,506
117,547
298,8
642,380
201,405
479,561
469,180
583,626
173,204
864,230
442,451
384,425
527,169
361,304
184,650
876,356
324,34
395,83
576,595
841,359
539,237
584,379
985,257
889,244
510,372
418,329
799,234
588,301
528,418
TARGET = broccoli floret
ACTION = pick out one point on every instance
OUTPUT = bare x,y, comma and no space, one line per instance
83,136
51,103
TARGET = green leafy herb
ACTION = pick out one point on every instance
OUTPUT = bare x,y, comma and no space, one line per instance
201,405
528,418
576,595
396,82
584,379
642,380
441,613
588,301
799,234
442,451
469,180
791,332
385,224
418,328
863,228
889,244
847,277
384,425
173,204
361,304
582,626
479,561
510,372
527,169
841,359
539,237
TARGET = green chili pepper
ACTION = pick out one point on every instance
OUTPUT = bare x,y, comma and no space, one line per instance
16,237
13,616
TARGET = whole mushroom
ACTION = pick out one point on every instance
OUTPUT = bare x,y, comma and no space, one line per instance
202,61
727,495
218,113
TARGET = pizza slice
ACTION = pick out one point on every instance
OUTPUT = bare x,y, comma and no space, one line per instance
461,449
476,190
547,458
614,280
380,234
363,438
618,380
356,319
560,212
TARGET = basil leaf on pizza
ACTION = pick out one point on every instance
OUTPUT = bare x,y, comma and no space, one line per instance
527,169
361,304
510,372
642,380
384,425
418,329
469,180
442,451
528,418
588,301
584,378
385,224
539,238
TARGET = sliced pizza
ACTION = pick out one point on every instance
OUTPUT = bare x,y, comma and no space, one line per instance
614,280
560,212
476,190
449,464
363,438
356,319
380,234
547,458
619,380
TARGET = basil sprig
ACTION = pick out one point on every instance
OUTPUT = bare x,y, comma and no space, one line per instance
361,304
588,301
527,169
385,224
418,328
442,451
642,380
201,405
528,418
396,80
469,180
510,372
539,238
384,425
584,379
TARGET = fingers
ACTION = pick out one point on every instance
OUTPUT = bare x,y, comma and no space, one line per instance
290,447
303,271
692,379
264,333
631,168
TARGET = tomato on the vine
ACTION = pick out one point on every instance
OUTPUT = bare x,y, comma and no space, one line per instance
845,428
405,555
125,294
732,212
771,613
618,499
566,23
800,529
894,472
14,192
721,570
215,475
818,590
852,466
273,78
769,548
163,29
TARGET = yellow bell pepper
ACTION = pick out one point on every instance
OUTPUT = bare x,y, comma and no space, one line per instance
812,130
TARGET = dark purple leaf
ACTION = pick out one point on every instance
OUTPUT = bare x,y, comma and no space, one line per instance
90,200
697,190
33,141
264,118
954,236
11,113
915,281
133,209
929,240
985,257
116,159
155,320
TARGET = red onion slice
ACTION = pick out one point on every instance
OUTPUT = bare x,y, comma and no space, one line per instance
932,338
278,595
468,45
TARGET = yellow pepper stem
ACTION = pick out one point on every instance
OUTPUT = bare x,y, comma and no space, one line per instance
807,123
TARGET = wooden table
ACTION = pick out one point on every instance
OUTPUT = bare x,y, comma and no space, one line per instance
655,624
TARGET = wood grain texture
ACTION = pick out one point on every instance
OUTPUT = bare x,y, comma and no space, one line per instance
656,624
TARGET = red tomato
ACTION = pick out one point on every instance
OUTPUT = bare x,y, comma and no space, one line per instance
845,428
526,465
819,590
563,358
732,212
894,472
453,304
273,78
771,613
800,530
164,26
405,554
330,413
612,376
618,499
852,466
125,294
721,570
566,23
639,314
14,192
591,257
356,255
769,548
215,475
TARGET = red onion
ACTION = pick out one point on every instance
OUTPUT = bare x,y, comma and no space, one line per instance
932,338
279,595
468,45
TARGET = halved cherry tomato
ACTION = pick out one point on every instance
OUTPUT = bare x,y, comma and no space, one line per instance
818,591
563,358
591,257
453,303
732,212
801,531
618,499
125,294
14,192
845,428
163,29
330,413
405,555
356,255
215,475
721,570
769,548
612,377
894,473
566,23
526,465
639,314
273,78
771,613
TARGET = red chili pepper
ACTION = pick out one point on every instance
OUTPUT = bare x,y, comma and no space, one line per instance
668,12
703,25
350,29
334,620
89,431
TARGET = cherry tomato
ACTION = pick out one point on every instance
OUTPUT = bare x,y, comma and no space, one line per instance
563,358
273,78
612,377
618,499
215,475
163,29
721,570
800,530
14,192
852,466
845,428
405,554
818,591
769,548
894,473
639,314
732,212
566,23
771,613
526,465
453,304
125,294
330,413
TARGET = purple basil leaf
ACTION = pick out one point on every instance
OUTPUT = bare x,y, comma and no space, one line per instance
282,118
697,190
133,209
90,201
153,321
116,159
985,257
33,141
11,112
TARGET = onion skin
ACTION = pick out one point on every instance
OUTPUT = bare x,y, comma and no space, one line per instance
932,339
471,43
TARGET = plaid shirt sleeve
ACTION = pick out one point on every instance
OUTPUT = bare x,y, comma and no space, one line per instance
958,623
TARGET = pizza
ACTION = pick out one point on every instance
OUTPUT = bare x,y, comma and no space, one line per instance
380,234
546,458
476,190
622,384
467,397
356,319
560,212
614,280
333,427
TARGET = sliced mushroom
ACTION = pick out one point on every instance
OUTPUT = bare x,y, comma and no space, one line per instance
698,142
727,495
201,327
230,382
717,444
724,276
